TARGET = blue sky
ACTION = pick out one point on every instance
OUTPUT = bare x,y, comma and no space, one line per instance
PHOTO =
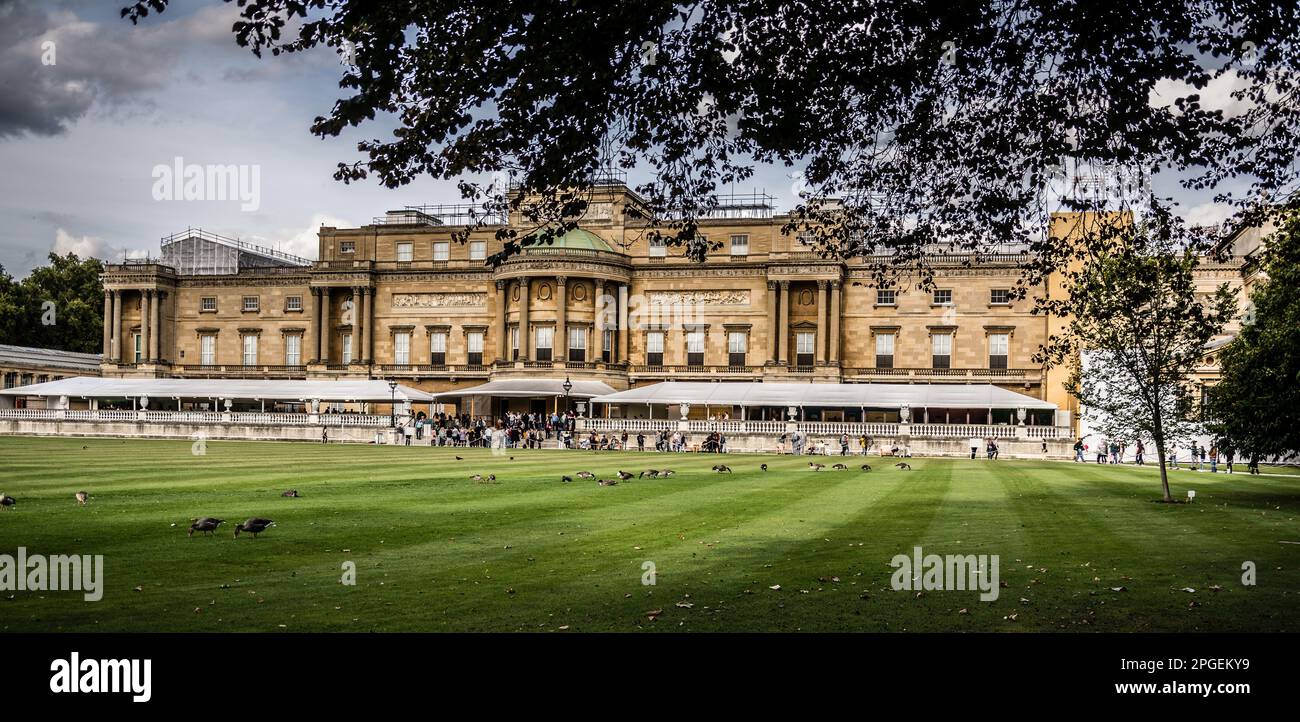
79,139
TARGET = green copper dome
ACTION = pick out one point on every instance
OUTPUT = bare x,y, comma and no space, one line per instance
578,239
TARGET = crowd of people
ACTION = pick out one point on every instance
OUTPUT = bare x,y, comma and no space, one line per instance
1199,457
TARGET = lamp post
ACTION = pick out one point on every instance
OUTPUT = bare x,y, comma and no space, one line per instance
392,403
567,386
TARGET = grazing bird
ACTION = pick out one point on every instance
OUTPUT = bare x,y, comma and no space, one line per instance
904,466
606,482
566,479
7,500
816,467
866,467
492,477
207,525
720,468
839,467
254,526
82,497
476,477
459,459
292,494
624,475
667,472
585,475
652,473
763,467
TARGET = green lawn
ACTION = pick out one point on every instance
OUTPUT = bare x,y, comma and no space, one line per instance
436,551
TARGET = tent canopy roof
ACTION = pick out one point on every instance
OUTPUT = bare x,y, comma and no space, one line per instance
758,393
357,390
528,388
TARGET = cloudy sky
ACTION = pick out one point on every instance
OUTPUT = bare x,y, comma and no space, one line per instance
80,138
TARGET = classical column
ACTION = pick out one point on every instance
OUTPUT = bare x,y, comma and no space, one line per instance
783,325
155,326
117,326
146,297
311,339
771,323
624,331
598,324
108,324
561,341
525,289
503,320
358,347
324,339
836,290
367,314
819,351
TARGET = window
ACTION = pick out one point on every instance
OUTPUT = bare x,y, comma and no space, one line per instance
477,250
658,247
886,297
138,347
543,340
740,244
438,348
293,350
405,251
402,349
347,348
941,350
347,246
251,304
293,303
474,348
441,251
578,344
695,348
885,351
806,239
208,304
1000,297
11,380
250,350
737,345
943,297
803,349
999,348
514,343
208,350
607,345
654,348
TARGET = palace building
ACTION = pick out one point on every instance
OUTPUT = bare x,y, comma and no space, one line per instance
400,299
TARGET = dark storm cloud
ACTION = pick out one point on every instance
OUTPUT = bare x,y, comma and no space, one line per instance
95,63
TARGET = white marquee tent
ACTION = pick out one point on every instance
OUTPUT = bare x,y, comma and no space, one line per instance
810,395
342,390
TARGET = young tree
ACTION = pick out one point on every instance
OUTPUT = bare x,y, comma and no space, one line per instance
1255,407
1144,329
931,124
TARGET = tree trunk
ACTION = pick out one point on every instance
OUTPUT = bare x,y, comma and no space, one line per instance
1164,472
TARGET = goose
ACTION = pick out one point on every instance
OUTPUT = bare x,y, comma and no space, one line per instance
292,494
904,466
476,477
624,475
866,467
652,473
839,467
816,467
585,475
721,468
254,526
763,467
566,479
492,477
606,482
459,459
82,497
7,500
667,472
207,525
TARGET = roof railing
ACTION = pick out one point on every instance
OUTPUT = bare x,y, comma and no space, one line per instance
189,233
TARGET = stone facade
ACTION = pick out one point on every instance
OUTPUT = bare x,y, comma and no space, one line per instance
400,298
